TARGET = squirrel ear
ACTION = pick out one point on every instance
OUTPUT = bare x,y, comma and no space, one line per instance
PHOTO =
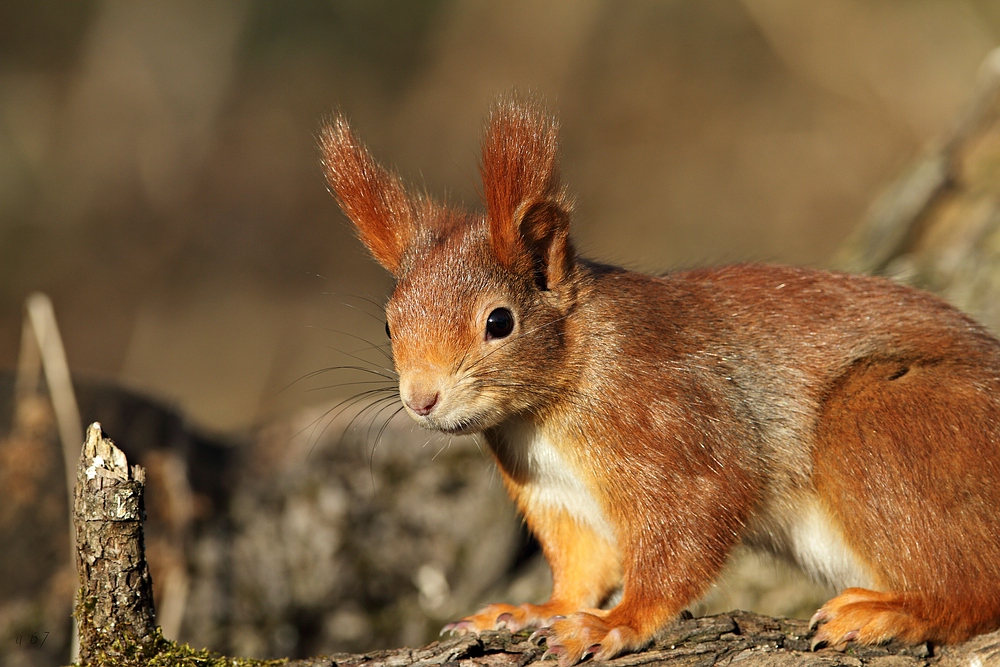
526,208
373,198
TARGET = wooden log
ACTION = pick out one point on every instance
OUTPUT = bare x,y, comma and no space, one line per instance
749,640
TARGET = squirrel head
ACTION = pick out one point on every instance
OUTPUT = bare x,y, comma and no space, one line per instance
479,314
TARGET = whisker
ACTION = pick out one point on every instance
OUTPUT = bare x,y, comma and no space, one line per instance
361,359
384,383
347,367
445,446
371,345
427,440
375,408
380,320
342,405
378,347
361,297
362,310
477,438
354,424
330,369
378,439
375,418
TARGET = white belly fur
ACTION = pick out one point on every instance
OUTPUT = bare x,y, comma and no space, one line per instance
806,535
801,532
552,481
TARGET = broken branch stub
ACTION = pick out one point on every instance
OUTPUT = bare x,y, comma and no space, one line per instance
115,602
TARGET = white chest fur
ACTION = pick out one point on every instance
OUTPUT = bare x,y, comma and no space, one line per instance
549,479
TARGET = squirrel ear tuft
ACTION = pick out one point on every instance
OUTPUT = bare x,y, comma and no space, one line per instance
526,208
373,198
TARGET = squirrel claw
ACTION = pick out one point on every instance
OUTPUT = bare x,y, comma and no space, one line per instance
823,640
817,618
540,634
457,628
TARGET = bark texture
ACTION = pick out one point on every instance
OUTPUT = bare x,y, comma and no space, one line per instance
115,602
749,640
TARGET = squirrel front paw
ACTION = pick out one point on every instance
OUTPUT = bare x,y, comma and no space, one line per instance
497,616
586,634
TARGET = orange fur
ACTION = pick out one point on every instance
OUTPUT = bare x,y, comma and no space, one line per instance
585,571
646,425
525,204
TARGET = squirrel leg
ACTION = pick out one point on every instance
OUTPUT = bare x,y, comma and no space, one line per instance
659,583
670,558
585,570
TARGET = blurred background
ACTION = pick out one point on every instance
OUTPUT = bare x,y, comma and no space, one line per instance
159,176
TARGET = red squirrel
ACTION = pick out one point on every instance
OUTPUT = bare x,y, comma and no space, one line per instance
646,425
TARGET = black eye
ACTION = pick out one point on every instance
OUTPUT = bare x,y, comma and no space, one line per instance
388,335
499,324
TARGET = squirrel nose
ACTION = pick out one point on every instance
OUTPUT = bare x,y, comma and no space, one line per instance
422,404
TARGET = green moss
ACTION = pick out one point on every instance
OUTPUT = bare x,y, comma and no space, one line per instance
160,652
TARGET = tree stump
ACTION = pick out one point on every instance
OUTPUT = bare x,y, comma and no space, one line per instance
114,606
